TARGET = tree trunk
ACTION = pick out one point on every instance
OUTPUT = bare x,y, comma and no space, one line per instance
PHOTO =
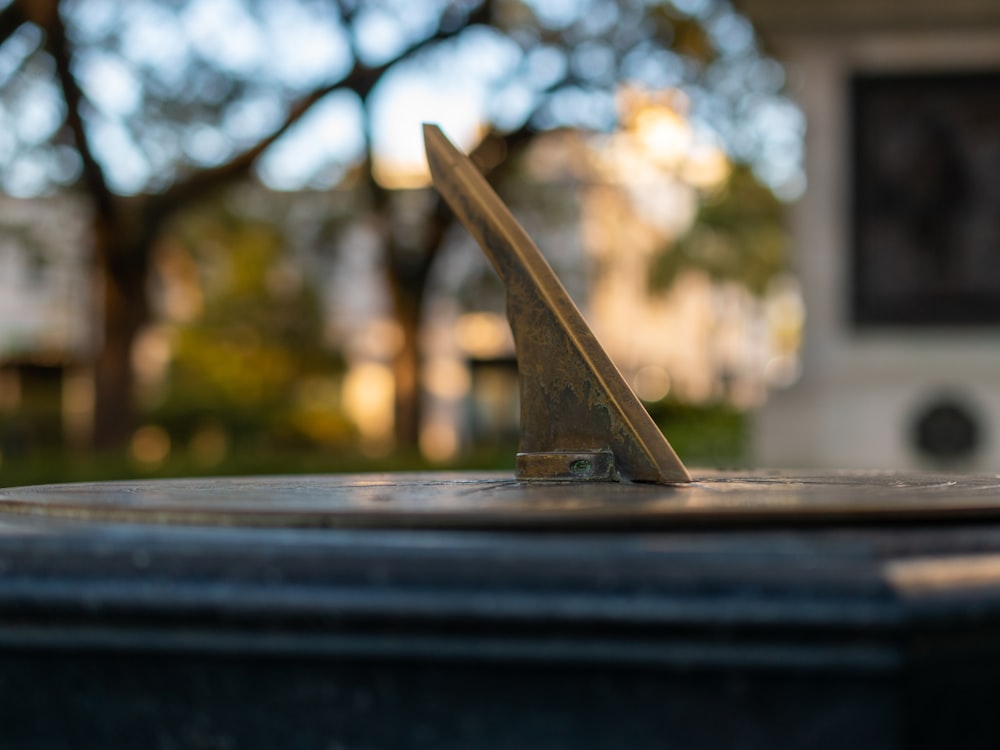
121,281
408,299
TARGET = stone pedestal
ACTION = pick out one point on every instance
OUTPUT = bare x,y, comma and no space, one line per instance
457,611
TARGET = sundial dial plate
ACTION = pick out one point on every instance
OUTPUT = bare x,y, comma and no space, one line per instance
496,501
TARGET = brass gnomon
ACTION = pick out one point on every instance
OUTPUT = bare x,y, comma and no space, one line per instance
579,418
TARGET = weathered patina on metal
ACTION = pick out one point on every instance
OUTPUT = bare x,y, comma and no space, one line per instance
576,409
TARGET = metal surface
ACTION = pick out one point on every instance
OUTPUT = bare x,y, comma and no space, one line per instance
573,399
493,501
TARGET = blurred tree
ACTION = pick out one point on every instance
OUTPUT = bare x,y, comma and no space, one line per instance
737,235
248,333
149,106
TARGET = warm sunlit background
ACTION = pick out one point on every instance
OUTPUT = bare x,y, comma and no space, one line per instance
219,251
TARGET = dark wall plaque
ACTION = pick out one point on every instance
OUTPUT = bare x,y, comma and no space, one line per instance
926,199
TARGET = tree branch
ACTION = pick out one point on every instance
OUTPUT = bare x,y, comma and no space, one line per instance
11,19
205,180
58,46
361,80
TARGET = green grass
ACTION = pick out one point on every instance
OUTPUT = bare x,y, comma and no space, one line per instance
705,436
67,467
712,437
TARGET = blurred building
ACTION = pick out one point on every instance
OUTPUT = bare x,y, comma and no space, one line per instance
45,314
43,306
897,237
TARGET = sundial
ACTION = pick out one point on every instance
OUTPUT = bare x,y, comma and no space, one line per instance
589,453
600,596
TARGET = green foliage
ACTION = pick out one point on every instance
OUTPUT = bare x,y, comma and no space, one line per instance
713,435
738,235
253,359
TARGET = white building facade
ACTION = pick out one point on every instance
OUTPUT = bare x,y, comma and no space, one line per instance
914,382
